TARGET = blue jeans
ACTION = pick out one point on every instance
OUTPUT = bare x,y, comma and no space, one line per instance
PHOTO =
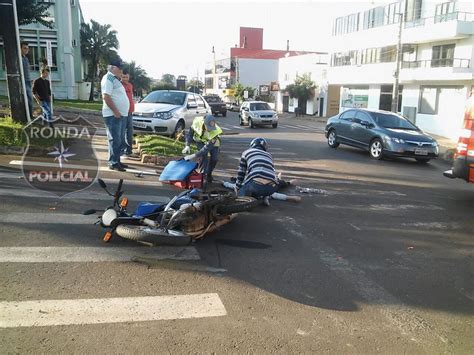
47,116
114,135
127,135
208,164
256,190
29,94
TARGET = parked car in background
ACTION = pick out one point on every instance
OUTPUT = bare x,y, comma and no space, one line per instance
463,165
168,112
217,105
233,106
382,133
257,113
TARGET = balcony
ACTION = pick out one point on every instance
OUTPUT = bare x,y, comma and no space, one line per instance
445,69
454,25
437,63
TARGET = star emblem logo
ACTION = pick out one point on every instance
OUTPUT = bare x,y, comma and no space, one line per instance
61,154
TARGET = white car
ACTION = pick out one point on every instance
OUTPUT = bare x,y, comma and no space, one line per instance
256,113
168,112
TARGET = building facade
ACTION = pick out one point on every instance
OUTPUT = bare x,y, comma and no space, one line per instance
248,64
436,60
67,70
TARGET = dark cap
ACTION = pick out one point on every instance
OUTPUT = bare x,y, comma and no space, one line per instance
116,63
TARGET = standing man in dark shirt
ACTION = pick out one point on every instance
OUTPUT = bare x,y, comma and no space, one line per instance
42,93
128,124
26,71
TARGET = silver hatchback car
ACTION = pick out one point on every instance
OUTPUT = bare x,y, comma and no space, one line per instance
256,113
168,112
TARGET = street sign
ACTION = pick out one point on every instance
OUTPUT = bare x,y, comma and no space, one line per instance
264,90
49,53
246,94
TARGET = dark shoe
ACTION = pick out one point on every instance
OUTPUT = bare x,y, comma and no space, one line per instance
209,179
125,166
116,167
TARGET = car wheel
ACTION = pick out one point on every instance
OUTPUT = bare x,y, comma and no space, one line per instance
178,129
251,123
275,125
422,160
241,121
332,139
376,149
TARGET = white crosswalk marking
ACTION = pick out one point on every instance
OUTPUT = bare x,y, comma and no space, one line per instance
109,310
93,254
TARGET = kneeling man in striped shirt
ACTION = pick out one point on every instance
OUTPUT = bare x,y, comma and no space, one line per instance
257,176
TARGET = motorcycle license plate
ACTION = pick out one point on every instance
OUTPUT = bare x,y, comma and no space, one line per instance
420,151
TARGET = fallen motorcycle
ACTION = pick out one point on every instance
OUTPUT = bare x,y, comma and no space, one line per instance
188,216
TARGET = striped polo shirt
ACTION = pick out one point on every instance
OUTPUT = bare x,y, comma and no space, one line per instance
255,163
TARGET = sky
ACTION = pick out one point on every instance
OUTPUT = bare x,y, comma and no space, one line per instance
177,37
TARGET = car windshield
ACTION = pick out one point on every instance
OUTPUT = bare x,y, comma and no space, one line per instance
388,120
212,99
259,106
165,97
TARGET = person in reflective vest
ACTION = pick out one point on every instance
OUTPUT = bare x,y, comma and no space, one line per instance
206,134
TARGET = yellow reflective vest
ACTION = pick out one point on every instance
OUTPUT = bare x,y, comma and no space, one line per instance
204,136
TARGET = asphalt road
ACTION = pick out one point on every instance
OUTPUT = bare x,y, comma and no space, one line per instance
377,258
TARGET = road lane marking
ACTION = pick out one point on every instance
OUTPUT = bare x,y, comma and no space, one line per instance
94,254
90,195
109,310
225,128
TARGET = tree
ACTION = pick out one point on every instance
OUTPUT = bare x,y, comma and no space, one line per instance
195,85
168,79
302,88
98,45
239,91
30,11
139,78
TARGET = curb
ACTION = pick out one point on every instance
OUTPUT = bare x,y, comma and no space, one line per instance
7,150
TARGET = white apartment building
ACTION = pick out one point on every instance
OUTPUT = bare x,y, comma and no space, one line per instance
436,72
315,65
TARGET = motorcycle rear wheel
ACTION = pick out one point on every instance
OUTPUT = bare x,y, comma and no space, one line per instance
237,204
150,235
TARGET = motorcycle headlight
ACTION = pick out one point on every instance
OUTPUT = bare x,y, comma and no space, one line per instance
108,217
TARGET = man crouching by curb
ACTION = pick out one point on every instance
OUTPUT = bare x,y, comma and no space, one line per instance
256,176
206,133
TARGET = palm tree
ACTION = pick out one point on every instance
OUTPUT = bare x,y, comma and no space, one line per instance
138,77
98,43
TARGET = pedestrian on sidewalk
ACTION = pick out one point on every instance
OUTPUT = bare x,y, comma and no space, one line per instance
114,111
42,93
127,134
256,176
25,49
205,132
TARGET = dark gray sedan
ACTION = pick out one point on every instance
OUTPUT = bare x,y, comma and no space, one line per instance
382,133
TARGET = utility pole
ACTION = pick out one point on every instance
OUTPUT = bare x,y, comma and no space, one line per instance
214,86
397,70
15,77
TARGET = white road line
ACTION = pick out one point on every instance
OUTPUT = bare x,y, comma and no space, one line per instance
85,167
93,254
226,129
109,310
46,218
28,192
237,127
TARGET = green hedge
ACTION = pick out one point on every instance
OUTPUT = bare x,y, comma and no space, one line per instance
11,133
162,146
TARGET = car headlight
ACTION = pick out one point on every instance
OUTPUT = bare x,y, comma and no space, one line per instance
434,144
108,217
163,115
398,140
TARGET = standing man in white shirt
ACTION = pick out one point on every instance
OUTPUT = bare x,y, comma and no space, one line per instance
114,111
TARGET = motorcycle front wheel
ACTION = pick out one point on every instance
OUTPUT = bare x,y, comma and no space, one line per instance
150,235
237,204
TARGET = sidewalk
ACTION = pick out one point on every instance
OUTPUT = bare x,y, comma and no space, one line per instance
447,147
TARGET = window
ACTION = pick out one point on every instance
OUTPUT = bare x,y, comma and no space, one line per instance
429,100
388,54
363,117
199,101
442,56
390,120
191,99
36,56
445,11
2,58
412,10
347,115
